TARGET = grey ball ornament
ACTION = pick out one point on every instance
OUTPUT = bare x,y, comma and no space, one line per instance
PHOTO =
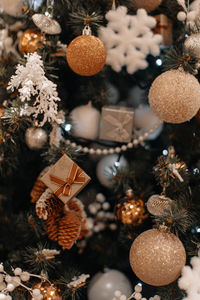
35,138
103,285
107,168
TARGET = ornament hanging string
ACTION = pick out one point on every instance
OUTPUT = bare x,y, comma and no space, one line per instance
114,5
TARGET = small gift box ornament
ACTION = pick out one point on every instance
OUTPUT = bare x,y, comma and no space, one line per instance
65,179
116,123
164,28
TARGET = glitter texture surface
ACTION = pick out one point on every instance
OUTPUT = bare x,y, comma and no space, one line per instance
157,258
86,55
192,43
157,204
175,96
46,24
148,5
30,41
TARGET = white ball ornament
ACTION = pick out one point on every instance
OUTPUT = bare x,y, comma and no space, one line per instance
2,296
18,271
103,285
106,168
25,276
35,138
85,120
10,287
146,120
181,16
175,96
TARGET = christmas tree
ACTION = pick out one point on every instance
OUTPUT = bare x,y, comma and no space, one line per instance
99,149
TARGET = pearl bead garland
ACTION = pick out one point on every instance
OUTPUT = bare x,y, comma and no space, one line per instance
117,149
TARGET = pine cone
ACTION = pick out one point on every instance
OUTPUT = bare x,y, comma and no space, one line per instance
52,227
77,207
69,230
39,187
55,206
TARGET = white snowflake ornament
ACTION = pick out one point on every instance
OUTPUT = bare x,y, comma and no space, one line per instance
190,279
128,39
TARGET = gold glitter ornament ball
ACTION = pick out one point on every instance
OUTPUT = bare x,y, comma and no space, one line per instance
157,257
86,55
148,5
131,211
30,41
48,291
175,96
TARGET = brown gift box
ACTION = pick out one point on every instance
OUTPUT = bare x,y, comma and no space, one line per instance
65,179
164,28
117,123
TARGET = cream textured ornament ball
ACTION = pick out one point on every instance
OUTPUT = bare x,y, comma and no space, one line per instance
85,121
175,96
148,5
157,257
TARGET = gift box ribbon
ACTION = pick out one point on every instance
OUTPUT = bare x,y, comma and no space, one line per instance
119,131
65,185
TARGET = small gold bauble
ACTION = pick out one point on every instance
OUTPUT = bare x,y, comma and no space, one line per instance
157,257
131,211
86,55
30,41
175,96
148,5
48,291
157,204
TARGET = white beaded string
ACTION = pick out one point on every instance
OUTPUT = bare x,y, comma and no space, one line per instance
118,149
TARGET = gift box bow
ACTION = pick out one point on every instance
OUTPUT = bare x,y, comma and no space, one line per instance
119,130
65,185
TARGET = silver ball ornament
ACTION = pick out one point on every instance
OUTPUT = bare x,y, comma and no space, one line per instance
107,166
35,138
103,285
